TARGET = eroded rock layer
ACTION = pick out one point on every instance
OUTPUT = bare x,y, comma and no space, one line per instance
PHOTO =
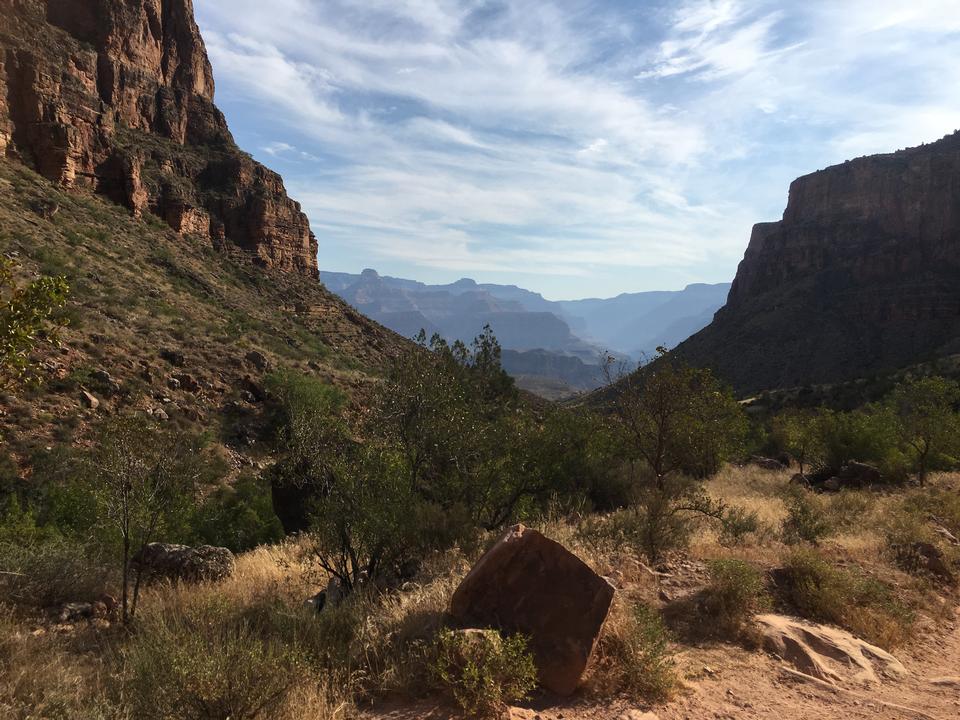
861,275
117,96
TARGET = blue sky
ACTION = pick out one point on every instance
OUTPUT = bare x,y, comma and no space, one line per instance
577,148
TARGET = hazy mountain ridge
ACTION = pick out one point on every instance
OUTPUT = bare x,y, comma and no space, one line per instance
559,341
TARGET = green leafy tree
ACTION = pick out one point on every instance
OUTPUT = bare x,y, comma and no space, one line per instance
27,316
927,421
675,424
798,432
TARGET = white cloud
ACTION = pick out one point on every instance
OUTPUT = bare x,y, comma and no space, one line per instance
573,138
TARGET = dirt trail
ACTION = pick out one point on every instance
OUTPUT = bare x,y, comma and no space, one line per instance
725,682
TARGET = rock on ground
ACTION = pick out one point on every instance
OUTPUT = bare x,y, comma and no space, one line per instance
182,562
825,652
530,584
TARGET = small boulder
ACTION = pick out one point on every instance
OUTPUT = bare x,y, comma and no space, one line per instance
187,382
800,479
858,474
89,400
182,562
258,360
832,484
766,463
174,357
529,584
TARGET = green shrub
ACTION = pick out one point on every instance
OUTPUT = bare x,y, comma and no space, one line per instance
849,509
239,517
205,665
806,519
634,657
737,523
484,671
851,599
735,594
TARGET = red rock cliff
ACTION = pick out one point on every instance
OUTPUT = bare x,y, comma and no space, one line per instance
117,96
861,275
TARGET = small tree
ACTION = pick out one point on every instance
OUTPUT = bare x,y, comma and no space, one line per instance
141,477
927,421
27,314
677,423
798,432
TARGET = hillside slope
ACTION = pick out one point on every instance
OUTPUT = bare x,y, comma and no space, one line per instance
181,330
862,275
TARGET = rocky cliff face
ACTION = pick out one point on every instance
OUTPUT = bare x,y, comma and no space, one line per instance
861,275
117,96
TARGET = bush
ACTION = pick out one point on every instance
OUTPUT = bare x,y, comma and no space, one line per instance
239,517
735,594
851,599
484,671
848,509
737,523
806,518
205,665
633,656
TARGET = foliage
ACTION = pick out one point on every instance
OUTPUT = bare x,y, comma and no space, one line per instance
735,594
634,656
27,314
238,517
737,523
141,479
677,419
673,424
798,432
484,671
849,598
806,519
867,435
927,421
202,665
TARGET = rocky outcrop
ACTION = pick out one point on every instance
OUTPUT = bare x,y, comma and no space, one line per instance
117,96
530,584
827,653
861,275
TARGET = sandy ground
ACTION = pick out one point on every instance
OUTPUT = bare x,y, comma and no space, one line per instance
725,682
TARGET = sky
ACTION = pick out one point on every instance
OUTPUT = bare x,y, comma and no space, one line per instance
579,148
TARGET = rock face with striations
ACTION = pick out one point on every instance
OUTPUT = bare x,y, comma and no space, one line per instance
117,96
861,275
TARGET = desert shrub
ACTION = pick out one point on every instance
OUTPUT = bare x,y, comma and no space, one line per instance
200,664
737,523
735,594
238,517
484,671
798,433
41,568
806,519
851,599
927,422
633,656
940,505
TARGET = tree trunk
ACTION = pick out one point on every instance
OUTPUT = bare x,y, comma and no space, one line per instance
126,573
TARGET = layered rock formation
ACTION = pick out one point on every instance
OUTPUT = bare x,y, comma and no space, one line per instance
117,96
861,275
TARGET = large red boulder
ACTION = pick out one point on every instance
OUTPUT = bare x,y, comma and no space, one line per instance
529,584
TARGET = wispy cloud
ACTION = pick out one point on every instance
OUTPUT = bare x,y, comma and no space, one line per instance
582,146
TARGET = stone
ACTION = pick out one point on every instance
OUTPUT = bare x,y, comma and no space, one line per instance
174,357
75,611
825,652
187,382
530,584
258,360
182,562
89,400
81,81
173,383
859,475
800,479
767,463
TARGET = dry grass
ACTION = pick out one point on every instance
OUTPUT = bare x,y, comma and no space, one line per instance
376,648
